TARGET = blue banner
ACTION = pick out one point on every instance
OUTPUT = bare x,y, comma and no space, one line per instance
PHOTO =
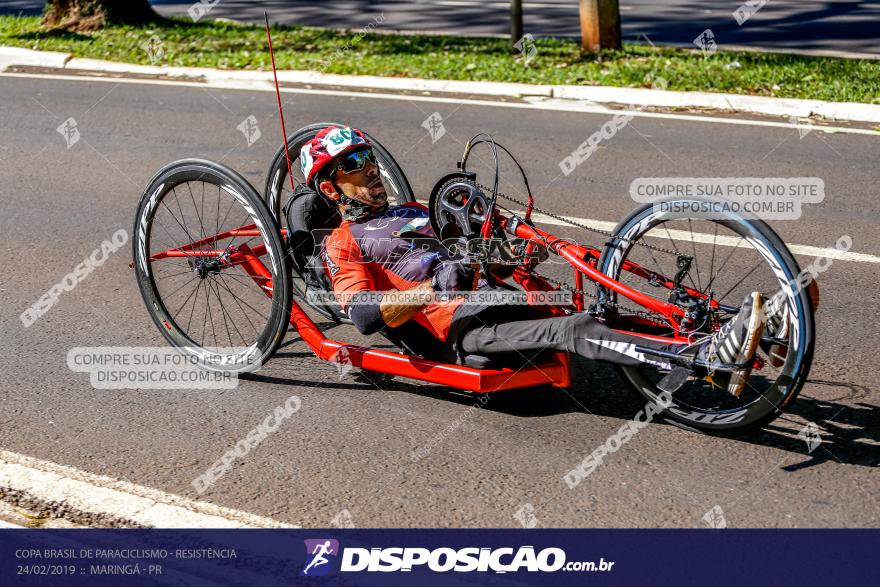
438,557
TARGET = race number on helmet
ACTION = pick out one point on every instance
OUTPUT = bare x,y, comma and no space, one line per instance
328,144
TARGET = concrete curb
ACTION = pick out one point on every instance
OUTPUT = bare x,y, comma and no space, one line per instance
784,107
19,56
17,517
8,526
96,500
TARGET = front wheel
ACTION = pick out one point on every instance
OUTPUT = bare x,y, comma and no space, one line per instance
211,266
732,255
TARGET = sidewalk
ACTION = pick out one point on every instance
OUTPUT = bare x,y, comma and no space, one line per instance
34,491
52,62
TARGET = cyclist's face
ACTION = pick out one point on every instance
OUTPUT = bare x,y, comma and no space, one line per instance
363,185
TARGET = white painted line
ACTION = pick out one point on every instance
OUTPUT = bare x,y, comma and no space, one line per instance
634,97
722,240
529,103
108,498
561,105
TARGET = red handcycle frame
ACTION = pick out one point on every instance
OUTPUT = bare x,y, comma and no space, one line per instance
556,371
583,259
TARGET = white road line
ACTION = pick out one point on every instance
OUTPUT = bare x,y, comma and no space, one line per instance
104,498
722,240
530,103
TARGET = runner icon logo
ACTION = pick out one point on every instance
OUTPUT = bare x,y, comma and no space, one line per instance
320,552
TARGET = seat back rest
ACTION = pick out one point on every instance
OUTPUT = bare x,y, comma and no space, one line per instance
310,218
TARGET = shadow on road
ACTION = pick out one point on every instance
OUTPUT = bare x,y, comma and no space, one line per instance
849,428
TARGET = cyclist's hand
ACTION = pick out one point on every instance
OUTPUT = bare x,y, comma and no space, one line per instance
452,276
535,253
520,251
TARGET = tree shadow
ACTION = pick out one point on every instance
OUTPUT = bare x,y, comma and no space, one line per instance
849,25
61,34
22,7
830,25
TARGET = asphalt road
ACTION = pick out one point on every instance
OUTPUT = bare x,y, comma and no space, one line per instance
350,446
833,26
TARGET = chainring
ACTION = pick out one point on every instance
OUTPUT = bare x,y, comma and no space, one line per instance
457,207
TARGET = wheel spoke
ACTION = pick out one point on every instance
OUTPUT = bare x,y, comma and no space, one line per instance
239,301
729,255
177,247
198,213
191,239
207,313
216,291
169,296
696,257
183,305
192,312
728,273
723,297
712,262
242,300
674,246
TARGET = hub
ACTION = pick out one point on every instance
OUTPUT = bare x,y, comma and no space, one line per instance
203,266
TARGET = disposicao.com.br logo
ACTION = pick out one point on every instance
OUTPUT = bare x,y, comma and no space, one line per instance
319,552
440,560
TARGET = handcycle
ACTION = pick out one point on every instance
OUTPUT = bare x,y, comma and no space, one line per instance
225,270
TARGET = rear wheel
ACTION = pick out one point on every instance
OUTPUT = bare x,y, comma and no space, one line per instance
197,227
732,256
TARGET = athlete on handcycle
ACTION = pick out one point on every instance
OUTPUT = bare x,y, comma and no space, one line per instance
381,248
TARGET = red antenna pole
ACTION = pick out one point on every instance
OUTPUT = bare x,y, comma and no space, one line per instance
280,110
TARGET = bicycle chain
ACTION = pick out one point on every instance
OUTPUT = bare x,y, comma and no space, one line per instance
641,313
606,233
561,284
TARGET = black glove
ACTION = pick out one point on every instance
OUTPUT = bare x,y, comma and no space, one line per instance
453,276
467,250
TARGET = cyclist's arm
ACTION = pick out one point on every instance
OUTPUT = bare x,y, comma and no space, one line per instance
453,276
353,286
396,312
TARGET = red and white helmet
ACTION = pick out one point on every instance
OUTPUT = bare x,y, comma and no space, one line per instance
328,144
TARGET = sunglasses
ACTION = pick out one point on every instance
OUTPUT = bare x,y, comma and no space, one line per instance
356,161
